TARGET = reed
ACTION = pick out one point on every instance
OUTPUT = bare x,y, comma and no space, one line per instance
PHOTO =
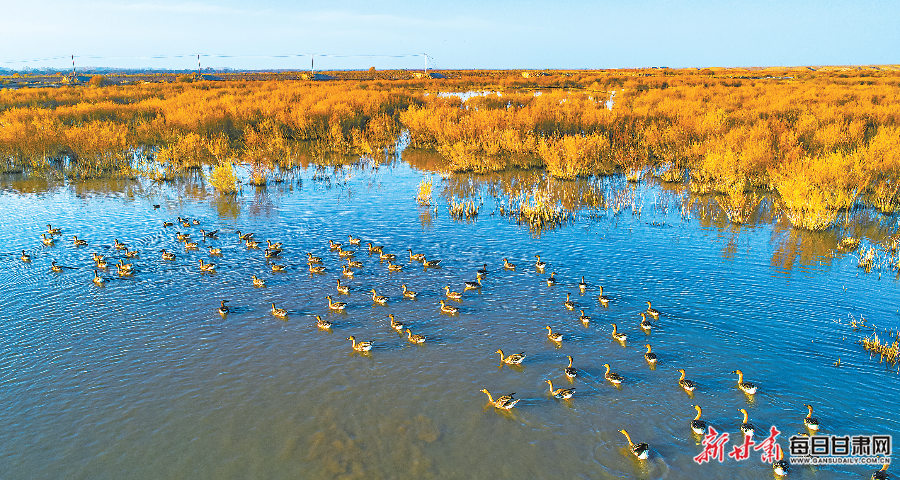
223,178
464,209
887,349
822,141
423,197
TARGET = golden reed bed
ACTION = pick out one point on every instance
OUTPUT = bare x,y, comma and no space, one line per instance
818,140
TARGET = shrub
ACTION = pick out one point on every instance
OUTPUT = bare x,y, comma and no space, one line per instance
99,81
222,178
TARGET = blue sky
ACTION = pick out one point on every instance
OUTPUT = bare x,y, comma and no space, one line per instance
459,34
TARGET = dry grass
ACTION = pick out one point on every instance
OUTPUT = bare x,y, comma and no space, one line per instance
423,197
464,209
822,140
887,349
223,179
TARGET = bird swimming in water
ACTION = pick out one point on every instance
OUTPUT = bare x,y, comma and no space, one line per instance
641,450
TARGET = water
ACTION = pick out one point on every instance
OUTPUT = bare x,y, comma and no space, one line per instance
143,378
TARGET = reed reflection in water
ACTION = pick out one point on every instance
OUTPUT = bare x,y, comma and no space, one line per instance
143,377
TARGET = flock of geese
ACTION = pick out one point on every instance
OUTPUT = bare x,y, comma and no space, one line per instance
272,253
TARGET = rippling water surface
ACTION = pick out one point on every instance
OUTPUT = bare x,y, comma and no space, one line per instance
143,378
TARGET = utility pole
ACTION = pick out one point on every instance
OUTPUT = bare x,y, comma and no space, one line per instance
312,64
426,63
198,65
73,66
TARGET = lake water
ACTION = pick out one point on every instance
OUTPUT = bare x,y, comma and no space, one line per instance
142,378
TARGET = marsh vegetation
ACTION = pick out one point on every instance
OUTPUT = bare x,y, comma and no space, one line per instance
815,142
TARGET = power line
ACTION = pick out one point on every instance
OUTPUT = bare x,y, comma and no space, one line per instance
216,55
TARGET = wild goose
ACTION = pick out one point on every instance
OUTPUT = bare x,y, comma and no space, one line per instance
448,309
395,325
560,393
641,450
602,298
379,299
322,323
360,346
551,281
503,402
204,267
512,358
553,336
698,426
452,294
746,427
811,422
583,318
408,293
473,285
618,335
336,306
415,338
123,268
568,303
570,371
278,312
780,467
747,387
686,384
612,377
